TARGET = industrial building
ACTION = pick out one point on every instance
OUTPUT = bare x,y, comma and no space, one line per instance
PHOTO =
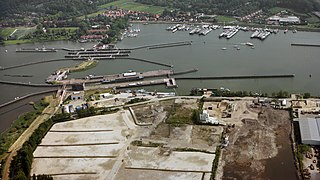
205,118
78,95
309,130
283,20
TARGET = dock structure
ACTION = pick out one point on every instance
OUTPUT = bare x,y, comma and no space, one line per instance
169,82
36,50
115,78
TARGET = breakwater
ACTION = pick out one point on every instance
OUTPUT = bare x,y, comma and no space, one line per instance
185,72
304,44
28,84
148,61
33,63
27,96
236,77
170,45
163,45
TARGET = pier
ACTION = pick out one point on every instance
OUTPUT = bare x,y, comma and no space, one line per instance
236,77
148,61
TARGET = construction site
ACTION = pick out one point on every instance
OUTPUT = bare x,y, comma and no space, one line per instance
159,139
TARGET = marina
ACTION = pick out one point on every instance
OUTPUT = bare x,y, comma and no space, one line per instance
228,31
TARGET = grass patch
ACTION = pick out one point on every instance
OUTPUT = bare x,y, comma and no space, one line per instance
136,100
275,10
192,150
134,6
149,144
95,93
83,66
180,115
225,19
313,19
71,29
18,41
5,32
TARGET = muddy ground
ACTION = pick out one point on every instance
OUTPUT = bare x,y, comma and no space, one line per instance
256,142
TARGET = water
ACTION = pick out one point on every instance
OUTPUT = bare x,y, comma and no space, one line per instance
275,55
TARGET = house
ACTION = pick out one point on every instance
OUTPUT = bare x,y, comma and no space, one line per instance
77,95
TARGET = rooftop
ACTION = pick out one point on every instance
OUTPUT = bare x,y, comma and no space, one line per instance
309,129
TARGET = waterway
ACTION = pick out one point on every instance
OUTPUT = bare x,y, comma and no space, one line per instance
274,55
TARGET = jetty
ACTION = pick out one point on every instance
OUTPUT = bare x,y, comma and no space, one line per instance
305,44
36,50
237,77
28,84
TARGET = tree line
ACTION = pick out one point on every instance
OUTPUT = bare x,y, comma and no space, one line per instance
234,7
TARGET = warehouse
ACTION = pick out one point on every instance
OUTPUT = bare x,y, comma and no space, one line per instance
309,130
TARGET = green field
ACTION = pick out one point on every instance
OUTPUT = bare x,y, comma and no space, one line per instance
5,32
225,19
19,41
72,29
275,10
313,19
131,5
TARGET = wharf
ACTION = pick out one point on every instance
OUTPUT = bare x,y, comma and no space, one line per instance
117,77
36,50
96,55
169,82
100,52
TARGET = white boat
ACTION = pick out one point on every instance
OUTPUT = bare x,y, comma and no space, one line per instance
249,44
224,48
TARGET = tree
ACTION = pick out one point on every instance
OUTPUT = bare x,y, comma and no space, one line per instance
306,95
20,176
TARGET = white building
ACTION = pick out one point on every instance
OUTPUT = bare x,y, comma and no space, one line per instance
205,118
284,20
78,95
309,130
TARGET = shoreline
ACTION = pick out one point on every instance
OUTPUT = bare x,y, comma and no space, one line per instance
299,28
305,29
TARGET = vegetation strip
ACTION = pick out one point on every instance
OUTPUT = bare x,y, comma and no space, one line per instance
71,131
72,157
